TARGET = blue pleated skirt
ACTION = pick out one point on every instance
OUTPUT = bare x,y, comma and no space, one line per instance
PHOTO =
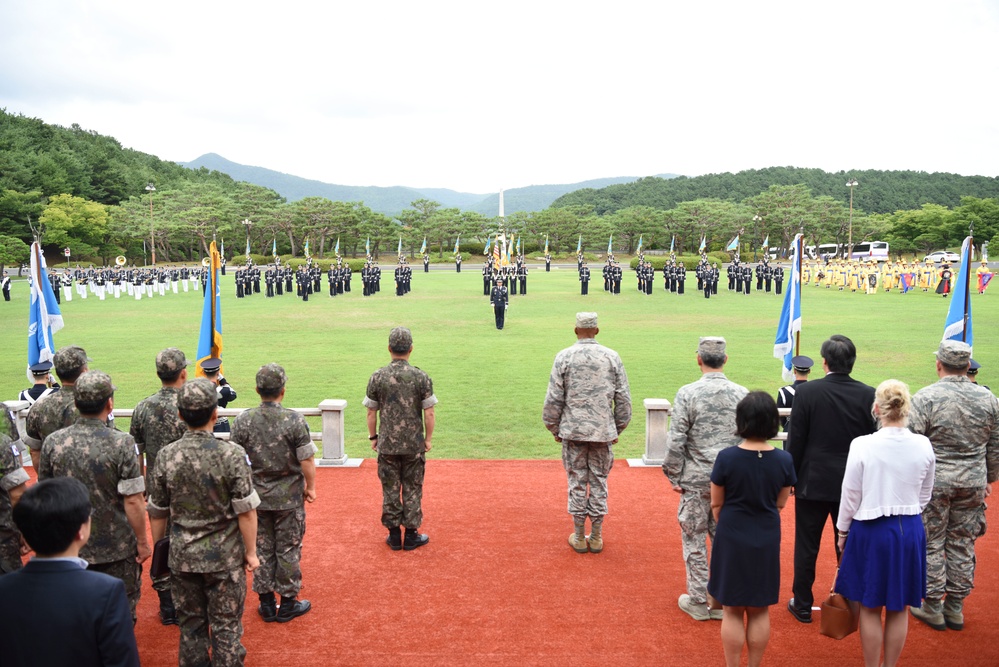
884,563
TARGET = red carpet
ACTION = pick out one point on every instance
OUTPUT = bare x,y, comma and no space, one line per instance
498,585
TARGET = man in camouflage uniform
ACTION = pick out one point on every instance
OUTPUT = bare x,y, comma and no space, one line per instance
58,410
213,536
587,406
13,482
703,424
962,422
155,424
282,458
107,462
404,395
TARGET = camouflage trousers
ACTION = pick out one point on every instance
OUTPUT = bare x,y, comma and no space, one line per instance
129,572
587,465
210,612
279,548
10,553
402,489
954,519
697,523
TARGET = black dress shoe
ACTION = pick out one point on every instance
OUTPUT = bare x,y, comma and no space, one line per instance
268,611
292,609
414,540
800,615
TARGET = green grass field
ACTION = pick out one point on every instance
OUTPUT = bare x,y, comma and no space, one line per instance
491,384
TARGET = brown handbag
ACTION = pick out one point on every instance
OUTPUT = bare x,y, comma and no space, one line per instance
839,618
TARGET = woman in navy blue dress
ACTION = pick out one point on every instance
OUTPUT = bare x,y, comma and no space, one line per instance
750,484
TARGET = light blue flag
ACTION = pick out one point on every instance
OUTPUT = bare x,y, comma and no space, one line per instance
210,335
610,245
336,250
672,244
518,245
641,237
423,248
701,247
958,324
488,243
546,244
274,247
457,242
44,318
579,244
367,246
734,244
766,243
790,314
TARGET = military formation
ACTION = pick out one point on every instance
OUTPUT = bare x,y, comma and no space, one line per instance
900,276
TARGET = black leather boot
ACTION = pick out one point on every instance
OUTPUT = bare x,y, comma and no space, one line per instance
414,539
168,613
292,608
268,607
394,539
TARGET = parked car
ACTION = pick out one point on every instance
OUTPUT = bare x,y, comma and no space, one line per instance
942,256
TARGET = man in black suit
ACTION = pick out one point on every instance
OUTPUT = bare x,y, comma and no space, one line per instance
827,415
59,612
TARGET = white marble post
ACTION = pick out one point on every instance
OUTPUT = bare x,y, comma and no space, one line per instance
334,453
657,414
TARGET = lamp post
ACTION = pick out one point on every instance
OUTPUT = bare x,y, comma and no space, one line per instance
247,224
152,230
852,183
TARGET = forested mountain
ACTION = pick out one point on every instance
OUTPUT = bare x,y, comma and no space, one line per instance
877,192
393,200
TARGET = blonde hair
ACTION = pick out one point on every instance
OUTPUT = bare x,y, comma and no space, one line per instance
893,401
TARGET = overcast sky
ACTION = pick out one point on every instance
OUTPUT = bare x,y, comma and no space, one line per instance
478,96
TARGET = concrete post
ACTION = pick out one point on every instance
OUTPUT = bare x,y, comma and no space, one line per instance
657,414
334,453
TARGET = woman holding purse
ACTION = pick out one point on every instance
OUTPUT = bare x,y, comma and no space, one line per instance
888,482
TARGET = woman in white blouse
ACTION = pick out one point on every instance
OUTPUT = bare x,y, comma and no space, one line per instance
888,482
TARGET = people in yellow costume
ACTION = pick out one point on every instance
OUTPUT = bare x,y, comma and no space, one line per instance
887,279
979,272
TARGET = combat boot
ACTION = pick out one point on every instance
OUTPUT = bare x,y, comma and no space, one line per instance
697,611
168,613
953,612
394,539
268,607
596,539
577,540
931,613
292,608
414,539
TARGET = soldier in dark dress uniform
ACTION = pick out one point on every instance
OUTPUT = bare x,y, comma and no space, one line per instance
498,299
584,279
802,366
226,394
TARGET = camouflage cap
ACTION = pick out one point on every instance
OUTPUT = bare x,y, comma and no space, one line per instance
401,339
69,359
94,387
954,353
170,361
271,379
197,395
711,345
586,320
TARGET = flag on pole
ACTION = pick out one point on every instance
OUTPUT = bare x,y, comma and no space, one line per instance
983,281
457,242
509,249
701,247
247,247
274,248
423,248
497,252
766,244
958,323
367,246
641,237
210,337
579,244
44,318
733,244
546,244
672,244
399,250
485,251
518,245
610,245
307,255
790,315
221,252
336,250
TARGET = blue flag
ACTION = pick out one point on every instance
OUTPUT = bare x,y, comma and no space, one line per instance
274,247
790,315
641,237
210,336
700,248
958,324
610,245
44,318
734,244
457,242
423,248
579,244
672,244
367,246
488,242
336,250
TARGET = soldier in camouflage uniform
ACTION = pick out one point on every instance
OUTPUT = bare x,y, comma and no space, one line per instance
587,406
282,458
962,422
703,424
107,462
13,482
404,395
212,535
58,410
155,424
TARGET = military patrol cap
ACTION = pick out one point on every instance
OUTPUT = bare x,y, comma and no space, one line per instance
211,366
974,367
94,387
69,359
711,345
41,368
400,338
954,353
271,379
170,361
802,364
197,395
586,320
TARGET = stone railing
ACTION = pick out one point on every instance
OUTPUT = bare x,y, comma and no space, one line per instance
331,437
658,412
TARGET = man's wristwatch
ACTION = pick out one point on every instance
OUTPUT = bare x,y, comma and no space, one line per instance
373,437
